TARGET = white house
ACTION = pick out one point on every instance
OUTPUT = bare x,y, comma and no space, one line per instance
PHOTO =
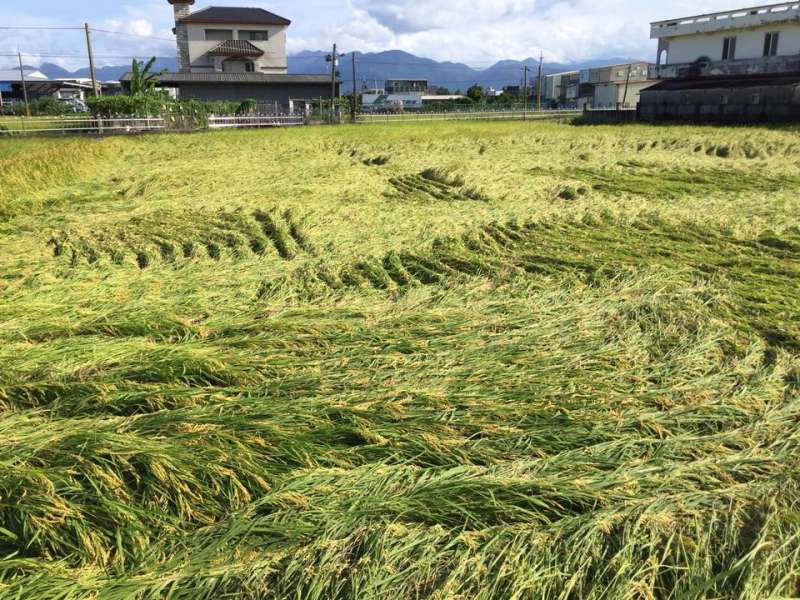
238,53
738,66
229,39
757,40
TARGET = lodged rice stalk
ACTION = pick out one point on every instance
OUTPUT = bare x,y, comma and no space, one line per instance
337,377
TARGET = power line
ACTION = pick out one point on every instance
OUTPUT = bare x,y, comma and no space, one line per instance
136,35
109,56
44,28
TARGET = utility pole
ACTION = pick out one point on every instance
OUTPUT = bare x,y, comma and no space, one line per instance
627,83
539,84
91,60
355,92
333,83
24,85
525,94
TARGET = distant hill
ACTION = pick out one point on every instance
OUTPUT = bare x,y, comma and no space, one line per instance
110,73
374,67
395,64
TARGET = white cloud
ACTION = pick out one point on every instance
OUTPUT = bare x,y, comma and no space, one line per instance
478,32
482,31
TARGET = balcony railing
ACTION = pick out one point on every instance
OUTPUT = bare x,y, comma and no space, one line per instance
775,65
735,19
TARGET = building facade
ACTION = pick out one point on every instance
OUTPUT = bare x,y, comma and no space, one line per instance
229,39
35,84
614,87
237,53
750,41
727,66
609,87
396,95
561,90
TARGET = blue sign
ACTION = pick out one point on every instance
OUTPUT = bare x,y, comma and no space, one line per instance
5,86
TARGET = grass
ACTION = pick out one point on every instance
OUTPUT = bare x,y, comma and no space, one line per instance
441,360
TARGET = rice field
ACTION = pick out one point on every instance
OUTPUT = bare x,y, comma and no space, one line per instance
435,360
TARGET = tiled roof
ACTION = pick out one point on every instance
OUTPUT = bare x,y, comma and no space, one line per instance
236,48
169,78
232,15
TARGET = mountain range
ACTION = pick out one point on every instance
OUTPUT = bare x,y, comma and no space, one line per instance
373,68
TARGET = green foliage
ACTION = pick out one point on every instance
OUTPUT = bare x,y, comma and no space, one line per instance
160,105
247,107
504,99
135,106
440,360
449,105
476,94
143,81
40,107
145,100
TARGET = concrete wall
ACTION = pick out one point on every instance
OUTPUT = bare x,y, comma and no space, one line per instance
597,75
608,117
727,105
731,20
555,86
749,43
272,61
605,96
612,95
267,93
779,65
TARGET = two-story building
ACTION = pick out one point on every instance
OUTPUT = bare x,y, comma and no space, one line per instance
727,66
236,53
560,90
614,87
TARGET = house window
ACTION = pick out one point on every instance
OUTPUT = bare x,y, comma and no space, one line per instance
724,99
219,35
755,99
771,44
249,67
729,48
254,36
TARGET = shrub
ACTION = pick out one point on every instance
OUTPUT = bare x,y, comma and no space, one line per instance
182,114
247,107
42,106
132,106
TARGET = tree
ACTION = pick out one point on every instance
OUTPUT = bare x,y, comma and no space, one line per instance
504,99
476,94
143,80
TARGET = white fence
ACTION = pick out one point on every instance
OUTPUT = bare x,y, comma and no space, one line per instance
75,125
21,126
241,122
507,115
79,125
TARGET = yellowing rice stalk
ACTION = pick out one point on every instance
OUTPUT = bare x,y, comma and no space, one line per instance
445,360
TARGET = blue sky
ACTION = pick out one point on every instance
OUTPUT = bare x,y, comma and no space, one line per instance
477,32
